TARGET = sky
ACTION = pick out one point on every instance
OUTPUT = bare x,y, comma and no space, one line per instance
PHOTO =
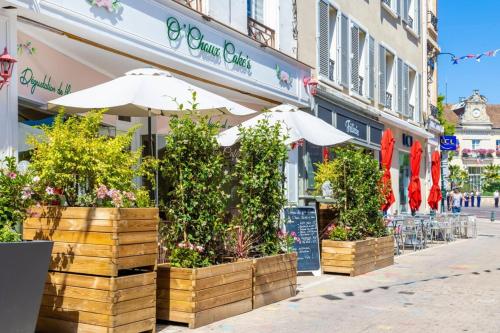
469,27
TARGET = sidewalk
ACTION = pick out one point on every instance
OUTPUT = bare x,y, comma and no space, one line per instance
448,288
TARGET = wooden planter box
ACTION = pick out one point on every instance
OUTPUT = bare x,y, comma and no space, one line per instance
77,303
201,296
274,279
99,241
358,257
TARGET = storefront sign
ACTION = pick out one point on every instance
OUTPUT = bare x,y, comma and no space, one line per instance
351,126
195,40
407,140
28,78
448,142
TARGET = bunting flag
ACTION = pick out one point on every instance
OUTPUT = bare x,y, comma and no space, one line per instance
478,57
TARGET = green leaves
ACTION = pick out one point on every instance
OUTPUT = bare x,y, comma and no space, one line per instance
355,179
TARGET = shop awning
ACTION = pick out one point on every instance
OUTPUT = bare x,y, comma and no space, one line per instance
296,125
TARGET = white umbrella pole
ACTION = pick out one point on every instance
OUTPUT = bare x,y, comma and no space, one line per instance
152,154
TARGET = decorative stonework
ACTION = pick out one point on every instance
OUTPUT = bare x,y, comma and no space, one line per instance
475,110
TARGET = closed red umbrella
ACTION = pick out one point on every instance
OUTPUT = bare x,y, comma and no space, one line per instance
414,191
387,148
435,194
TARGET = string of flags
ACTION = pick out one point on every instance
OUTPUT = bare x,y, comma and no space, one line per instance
478,57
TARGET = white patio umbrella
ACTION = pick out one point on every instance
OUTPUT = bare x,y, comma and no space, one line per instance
296,125
145,92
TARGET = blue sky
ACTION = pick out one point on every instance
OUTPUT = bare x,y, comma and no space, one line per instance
469,27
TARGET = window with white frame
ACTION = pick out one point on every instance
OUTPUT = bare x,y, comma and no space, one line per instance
358,60
475,143
329,43
392,5
411,14
387,78
262,21
412,92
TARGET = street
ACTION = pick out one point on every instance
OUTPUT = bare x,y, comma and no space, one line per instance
452,287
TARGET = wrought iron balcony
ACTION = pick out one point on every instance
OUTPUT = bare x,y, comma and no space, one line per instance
434,111
433,20
411,110
409,22
387,2
360,86
193,4
388,100
331,70
260,32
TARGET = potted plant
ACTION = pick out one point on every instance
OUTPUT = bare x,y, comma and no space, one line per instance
260,194
24,264
104,231
196,285
359,242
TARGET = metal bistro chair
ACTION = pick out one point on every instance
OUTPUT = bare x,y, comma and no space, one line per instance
396,227
412,233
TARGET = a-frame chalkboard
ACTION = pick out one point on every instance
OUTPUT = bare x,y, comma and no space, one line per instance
303,221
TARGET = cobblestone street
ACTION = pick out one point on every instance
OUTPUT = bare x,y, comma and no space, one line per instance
448,288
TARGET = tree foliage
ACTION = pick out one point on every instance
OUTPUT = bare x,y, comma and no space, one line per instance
260,184
355,180
491,175
449,127
459,177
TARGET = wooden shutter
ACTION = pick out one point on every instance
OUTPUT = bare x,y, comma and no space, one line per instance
418,107
324,36
406,8
344,46
382,78
371,68
406,91
355,58
399,86
417,16
398,7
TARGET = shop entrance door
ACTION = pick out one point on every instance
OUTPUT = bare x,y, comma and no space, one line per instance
404,181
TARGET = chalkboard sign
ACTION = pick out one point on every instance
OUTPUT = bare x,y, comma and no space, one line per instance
303,221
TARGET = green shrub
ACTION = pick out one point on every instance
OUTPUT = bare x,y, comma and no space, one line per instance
355,179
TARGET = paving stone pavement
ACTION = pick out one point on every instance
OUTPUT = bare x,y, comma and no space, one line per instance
453,287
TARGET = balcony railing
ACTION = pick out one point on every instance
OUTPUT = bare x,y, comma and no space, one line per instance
193,4
331,70
411,110
261,33
360,86
433,20
434,111
409,22
388,100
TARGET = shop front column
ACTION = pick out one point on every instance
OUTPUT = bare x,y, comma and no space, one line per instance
8,94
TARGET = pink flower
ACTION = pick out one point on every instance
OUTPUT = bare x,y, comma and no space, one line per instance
26,193
108,4
12,175
49,190
297,239
129,195
116,197
293,234
284,76
102,192
199,249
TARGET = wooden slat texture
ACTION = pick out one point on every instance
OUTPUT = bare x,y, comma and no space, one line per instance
200,296
366,255
275,279
51,325
92,213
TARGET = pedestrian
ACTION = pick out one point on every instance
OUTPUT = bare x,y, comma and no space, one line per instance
496,196
457,197
472,198
478,198
466,199
448,200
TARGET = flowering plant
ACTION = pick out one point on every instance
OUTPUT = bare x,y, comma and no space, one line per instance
187,254
16,196
287,240
338,233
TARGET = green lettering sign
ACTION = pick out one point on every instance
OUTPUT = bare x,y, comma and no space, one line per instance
27,78
195,40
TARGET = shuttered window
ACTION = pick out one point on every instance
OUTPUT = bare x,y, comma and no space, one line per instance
398,7
355,52
371,68
406,91
344,50
382,78
418,106
324,45
416,23
406,8
400,87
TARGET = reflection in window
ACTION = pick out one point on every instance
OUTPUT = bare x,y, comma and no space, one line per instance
404,180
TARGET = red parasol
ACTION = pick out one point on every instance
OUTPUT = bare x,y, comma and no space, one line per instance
387,148
414,187
435,194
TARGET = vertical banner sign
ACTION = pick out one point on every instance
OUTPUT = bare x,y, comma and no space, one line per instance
448,142
303,221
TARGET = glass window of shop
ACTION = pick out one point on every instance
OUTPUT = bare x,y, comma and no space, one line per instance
475,178
404,180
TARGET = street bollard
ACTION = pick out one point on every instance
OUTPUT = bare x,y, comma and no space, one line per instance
492,217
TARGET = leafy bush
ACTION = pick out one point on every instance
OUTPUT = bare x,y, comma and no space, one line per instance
491,176
260,184
194,166
355,179
74,163
16,196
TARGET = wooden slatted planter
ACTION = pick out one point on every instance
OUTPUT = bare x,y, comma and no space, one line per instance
357,257
98,241
274,279
77,303
201,296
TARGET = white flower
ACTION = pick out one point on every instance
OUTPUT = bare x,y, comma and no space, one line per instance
49,190
36,179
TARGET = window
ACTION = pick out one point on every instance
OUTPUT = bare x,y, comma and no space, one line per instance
411,14
362,62
475,178
475,143
259,20
255,10
404,181
329,48
392,5
498,145
387,78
